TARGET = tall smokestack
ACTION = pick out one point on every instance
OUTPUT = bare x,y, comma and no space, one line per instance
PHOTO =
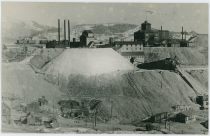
161,30
69,31
58,30
64,29
182,32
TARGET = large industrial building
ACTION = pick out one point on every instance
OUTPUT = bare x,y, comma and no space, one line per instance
149,37
87,38
130,49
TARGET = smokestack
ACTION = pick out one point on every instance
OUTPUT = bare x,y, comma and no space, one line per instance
58,30
161,29
182,32
64,30
69,31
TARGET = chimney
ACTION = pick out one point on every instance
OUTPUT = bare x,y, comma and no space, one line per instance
185,35
69,31
58,30
161,31
64,30
182,32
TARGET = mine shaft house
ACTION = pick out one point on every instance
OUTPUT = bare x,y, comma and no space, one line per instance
149,36
185,117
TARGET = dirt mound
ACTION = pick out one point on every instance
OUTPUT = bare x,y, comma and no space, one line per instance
185,55
202,40
133,96
87,62
201,76
202,44
19,80
43,56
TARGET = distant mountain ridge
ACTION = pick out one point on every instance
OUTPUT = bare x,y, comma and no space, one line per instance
13,30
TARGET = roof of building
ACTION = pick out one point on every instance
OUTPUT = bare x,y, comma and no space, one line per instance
145,22
187,113
181,105
88,31
204,97
126,42
147,31
140,53
159,114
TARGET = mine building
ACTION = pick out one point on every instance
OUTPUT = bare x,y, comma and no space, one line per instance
203,101
26,40
185,117
43,41
130,49
160,117
42,101
72,109
180,108
183,42
151,37
87,38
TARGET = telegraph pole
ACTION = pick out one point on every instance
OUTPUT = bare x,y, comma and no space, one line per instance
95,117
111,110
58,80
165,124
169,125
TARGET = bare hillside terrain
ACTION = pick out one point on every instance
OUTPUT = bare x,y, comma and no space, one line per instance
137,91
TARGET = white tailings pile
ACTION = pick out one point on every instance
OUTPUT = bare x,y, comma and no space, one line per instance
87,62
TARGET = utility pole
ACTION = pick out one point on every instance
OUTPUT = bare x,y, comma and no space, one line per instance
111,111
95,116
165,124
53,109
169,125
69,32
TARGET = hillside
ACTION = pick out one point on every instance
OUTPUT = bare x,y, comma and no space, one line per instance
13,30
81,74
202,44
134,96
185,55
201,76
112,29
19,80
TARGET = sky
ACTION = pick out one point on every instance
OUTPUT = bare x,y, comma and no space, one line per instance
170,16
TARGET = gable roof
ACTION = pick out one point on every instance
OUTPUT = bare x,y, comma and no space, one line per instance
140,53
187,113
126,42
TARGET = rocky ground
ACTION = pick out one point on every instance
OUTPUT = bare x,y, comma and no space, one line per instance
133,94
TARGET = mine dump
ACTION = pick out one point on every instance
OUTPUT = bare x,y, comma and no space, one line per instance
86,77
